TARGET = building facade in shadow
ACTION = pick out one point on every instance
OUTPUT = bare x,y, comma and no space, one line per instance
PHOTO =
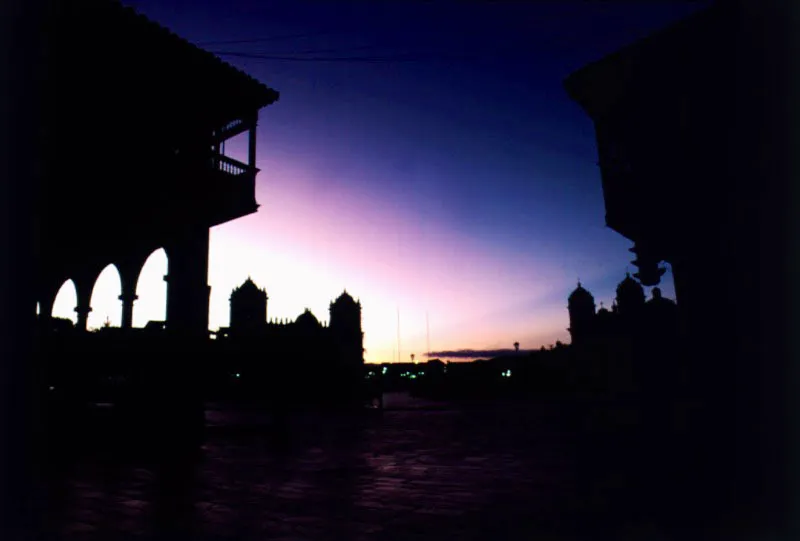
131,158
692,128
300,362
620,353
155,175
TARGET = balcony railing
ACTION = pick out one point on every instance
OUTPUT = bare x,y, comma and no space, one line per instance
230,166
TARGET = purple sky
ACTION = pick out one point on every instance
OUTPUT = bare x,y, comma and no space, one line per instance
459,183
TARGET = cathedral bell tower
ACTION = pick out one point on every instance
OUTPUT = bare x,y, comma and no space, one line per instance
581,315
248,308
345,325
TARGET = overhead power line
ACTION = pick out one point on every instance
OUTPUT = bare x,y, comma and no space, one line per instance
377,59
325,51
420,56
270,38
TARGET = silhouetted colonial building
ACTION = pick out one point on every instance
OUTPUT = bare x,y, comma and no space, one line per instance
630,314
304,350
694,127
248,308
157,176
618,350
581,308
165,108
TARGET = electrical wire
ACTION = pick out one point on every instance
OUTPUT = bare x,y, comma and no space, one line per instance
407,58
321,51
269,38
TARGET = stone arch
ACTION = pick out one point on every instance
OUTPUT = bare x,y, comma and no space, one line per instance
65,301
104,300
151,289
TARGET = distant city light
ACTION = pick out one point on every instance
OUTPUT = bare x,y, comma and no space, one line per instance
506,374
385,369
237,375
52,388
413,376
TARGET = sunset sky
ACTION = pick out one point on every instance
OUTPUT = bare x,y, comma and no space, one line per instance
444,173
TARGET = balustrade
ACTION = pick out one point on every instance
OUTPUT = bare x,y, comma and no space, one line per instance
229,165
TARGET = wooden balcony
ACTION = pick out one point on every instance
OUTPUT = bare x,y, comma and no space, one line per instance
231,190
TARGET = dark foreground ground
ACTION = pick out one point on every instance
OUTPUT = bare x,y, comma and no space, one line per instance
491,472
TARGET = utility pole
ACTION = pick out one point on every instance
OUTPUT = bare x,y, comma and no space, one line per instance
398,335
428,328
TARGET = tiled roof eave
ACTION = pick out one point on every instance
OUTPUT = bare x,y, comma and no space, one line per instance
261,93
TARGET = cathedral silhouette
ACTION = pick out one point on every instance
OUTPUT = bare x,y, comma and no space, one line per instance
630,313
623,348
304,358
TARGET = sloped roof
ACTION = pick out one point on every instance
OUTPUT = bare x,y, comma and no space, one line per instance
661,55
206,59
107,30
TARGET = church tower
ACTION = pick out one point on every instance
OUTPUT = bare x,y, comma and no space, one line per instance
581,315
630,297
345,326
248,308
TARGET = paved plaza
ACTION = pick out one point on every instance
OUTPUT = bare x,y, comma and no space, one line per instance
493,472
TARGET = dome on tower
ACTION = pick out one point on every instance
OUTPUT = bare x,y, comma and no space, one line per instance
630,294
629,287
580,296
345,299
248,288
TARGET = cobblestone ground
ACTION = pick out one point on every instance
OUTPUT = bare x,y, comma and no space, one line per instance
492,473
